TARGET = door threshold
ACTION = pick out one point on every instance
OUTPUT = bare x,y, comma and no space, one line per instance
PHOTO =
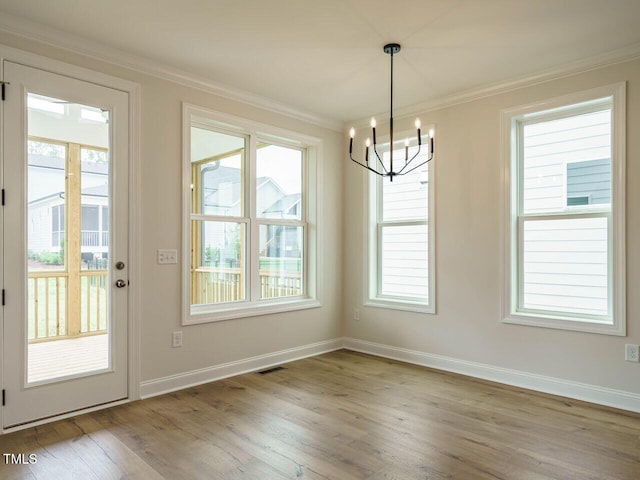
63,416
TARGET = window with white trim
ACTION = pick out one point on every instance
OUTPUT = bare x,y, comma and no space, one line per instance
401,250
565,255
250,204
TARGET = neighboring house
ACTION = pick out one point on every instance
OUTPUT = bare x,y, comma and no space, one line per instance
589,182
46,195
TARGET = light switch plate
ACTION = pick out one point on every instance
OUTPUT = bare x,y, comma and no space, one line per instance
167,257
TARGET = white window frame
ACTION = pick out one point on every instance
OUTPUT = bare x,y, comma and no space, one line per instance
254,132
374,224
512,220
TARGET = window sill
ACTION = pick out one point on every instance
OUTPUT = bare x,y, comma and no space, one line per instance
243,310
403,305
566,323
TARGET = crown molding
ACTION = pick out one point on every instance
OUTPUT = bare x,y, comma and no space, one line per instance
21,27
625,54
43,34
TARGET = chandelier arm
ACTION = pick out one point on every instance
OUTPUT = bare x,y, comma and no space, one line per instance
408,162
417,166
379,159
366,166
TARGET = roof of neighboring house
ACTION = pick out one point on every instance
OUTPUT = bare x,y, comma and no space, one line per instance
230,176
97,191
45,186
283,206
57,163
223,176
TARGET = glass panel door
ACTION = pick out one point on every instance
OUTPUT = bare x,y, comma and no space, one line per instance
66,334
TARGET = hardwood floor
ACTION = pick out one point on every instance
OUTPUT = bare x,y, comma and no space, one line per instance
341,415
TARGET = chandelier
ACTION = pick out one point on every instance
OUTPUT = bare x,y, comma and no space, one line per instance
405,166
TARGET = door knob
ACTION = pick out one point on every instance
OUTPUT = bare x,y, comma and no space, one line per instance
121,283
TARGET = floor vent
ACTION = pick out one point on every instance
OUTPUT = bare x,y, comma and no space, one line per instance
270,370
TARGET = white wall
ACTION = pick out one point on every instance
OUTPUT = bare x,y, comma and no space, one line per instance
217,343
468,253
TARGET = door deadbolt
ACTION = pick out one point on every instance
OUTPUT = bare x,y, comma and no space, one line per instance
121,283
120,265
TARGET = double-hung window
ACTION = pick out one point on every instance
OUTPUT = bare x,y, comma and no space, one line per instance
401,223
250,204
565,236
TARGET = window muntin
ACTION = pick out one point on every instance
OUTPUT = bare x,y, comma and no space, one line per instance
400,255
565,246
268,250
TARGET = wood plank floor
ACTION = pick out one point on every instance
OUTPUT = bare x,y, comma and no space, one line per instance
343,416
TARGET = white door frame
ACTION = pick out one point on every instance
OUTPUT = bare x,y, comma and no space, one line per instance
133,91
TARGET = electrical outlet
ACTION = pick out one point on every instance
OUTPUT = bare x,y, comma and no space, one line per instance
176,339
167,257
356,314
632,353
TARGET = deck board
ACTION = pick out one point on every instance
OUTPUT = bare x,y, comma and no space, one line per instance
60,358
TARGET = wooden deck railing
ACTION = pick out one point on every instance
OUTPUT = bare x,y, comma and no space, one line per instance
219,285
50,314
274,284
47,306
216,285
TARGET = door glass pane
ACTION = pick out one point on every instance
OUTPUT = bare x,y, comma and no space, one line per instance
279,182
218,262
67,294
280,260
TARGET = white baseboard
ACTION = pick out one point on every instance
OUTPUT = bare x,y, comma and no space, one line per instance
555,386
151,388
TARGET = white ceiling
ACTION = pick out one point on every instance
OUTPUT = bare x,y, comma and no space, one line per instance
324,57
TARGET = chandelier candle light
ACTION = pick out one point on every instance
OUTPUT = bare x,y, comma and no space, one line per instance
391,49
